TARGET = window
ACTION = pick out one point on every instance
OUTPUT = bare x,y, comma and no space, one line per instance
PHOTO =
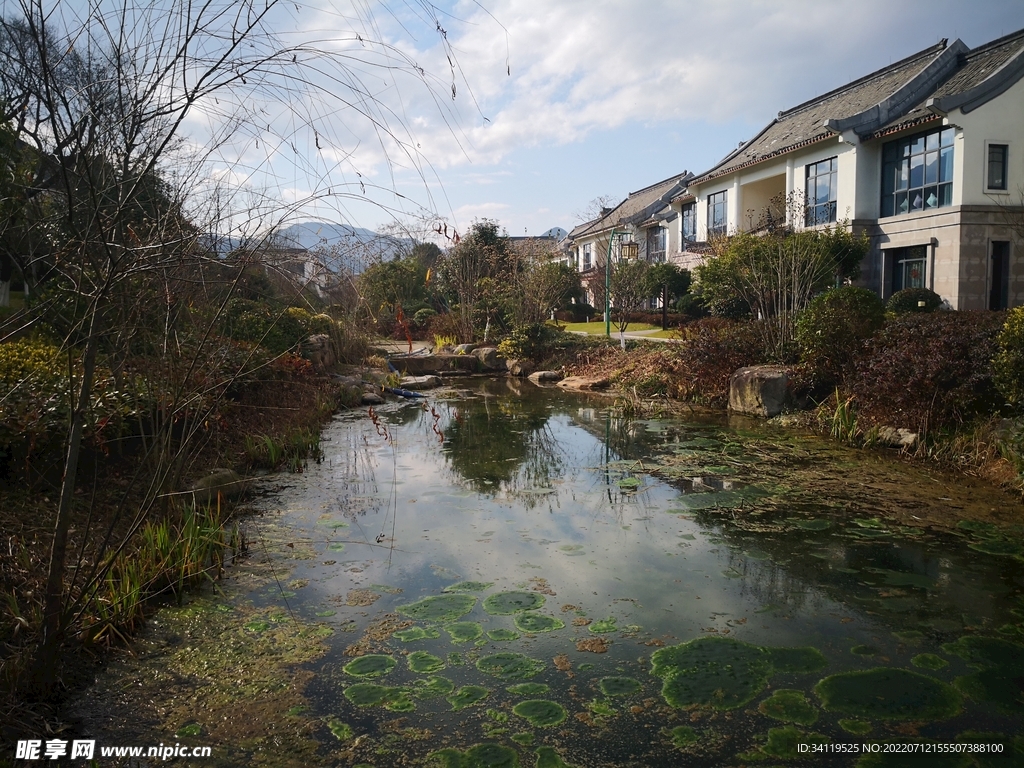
821,192
917,173
908,267
586,257
656,244
998,291
996,178
717,214
690,223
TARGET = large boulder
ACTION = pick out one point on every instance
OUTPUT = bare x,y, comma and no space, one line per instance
549,376
519,367
489,359
760,390
464,349
419,382
898,438
225,482
585,383
319,351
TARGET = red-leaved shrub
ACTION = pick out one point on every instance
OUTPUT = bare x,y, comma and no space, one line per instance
711,351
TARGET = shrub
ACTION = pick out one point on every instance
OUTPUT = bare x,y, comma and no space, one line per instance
1008,363
422,316
711,351
256,321
529,341
928,371
909,300
834,327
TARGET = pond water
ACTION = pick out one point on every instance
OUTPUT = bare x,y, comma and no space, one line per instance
506,575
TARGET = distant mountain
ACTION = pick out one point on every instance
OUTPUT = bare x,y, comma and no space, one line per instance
556,232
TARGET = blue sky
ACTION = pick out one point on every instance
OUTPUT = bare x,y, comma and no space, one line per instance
559,102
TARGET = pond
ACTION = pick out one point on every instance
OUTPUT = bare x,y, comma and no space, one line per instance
505,575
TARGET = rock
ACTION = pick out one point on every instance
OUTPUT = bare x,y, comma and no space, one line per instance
760,390
319,351
419,382
464,349
489,359
897,438
519,367
371,398
540,376
226,482
584,383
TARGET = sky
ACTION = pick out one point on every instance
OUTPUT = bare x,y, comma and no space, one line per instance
556,102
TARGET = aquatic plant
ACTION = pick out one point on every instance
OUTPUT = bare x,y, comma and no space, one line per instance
536,622
619,686
682,736
714,671
547,757
502,635
540,713
464,631
864,650
508,603
371,665
988,651
411,634
487,755
929,661
603,626
885,693
510,666
782,742
342,731
432,687
467,696
372,695
810,525
469,586
789,706
528,689
856,727
423,663
439,608
802,659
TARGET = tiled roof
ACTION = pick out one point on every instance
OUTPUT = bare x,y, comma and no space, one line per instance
639,205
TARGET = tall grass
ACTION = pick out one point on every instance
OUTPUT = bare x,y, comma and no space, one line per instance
290,450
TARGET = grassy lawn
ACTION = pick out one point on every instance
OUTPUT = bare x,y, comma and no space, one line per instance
597,328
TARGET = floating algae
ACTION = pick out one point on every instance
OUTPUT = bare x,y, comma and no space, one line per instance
439,608
619,686
910,636
602,709
528,689
464,631
782,742
469,586
508,603
888,694
502,635
372,695
547,757
525,738
510,666
1002,547
988,651
191,729
789,706
999,681
864,650
336,546
536,622
715,671
856,727
432,687
628,484
683,736
487,755
423,663
257,625
371,665
604,626
929,661
803,659
810,525
417,633
467,696
342,731
540,713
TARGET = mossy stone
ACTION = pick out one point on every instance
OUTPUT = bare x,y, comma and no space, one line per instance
469,586
547,757
502,635
714,671
464,631
487,755
439,608
802,659
423,663
604,626
528,689
412,634
856,727
432,687
884,693
371,665
508,603
541,713
510,666
619,686
789,706
929,661
528,621
467,696
372,695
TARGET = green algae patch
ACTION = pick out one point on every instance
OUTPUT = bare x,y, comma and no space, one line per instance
527,621
888,694
782,742
999,686
342,731
502,635
929,661
628,484
336,546
464,631
423,663
191,729
864,650
371,665
547,757
439,608
713,671
1003,547
432,687
619,686
373,695
487,755
988,651
467,696
604,626
910,636
510,666
856,727
508,603
525,738
469,586
601,709
802,660
412,634
540,713
528,689
257,625
789,706
683,736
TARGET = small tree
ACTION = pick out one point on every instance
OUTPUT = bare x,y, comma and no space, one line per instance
673,281
631,289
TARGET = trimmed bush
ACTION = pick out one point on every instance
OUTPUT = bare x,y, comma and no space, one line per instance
422,316
834,327
1008,363
909,300
929,371
529,341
